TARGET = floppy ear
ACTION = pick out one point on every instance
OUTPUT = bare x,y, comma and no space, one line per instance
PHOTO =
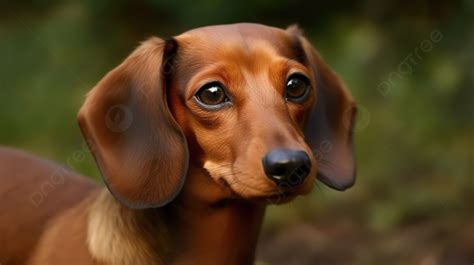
329,127
139,148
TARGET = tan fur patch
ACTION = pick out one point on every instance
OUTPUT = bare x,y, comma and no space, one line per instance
216,170
121,236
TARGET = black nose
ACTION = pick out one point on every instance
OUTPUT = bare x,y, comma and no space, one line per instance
287,167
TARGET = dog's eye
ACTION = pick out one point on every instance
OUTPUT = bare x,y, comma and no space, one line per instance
297,87
212,94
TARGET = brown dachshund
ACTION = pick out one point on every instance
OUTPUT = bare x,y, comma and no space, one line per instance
194,136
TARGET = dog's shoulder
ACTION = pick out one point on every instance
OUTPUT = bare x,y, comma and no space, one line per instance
33,191
32,182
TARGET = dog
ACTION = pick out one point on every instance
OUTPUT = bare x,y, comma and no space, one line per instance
194,136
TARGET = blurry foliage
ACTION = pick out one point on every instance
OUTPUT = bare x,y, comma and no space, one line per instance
414,144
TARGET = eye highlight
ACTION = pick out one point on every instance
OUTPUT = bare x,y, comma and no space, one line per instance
212,95
297,88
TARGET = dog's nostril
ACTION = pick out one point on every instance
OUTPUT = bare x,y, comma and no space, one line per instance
279,170
287,167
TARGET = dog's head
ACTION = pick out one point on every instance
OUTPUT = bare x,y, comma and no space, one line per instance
255,106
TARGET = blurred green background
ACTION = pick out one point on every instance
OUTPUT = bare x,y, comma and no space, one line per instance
409,64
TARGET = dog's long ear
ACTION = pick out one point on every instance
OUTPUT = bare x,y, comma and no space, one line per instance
329,127
139,148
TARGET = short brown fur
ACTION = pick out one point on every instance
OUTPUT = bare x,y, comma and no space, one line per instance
185,184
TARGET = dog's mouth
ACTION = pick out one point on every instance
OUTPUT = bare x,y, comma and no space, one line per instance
277,197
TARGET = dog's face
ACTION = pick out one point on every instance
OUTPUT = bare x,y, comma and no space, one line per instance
255,106
241,93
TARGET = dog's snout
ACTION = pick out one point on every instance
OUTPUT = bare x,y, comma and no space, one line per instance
287,167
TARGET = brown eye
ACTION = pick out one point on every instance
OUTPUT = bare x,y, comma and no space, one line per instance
212,94
297,87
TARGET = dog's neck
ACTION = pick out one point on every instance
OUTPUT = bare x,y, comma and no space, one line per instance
217,235
190,230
